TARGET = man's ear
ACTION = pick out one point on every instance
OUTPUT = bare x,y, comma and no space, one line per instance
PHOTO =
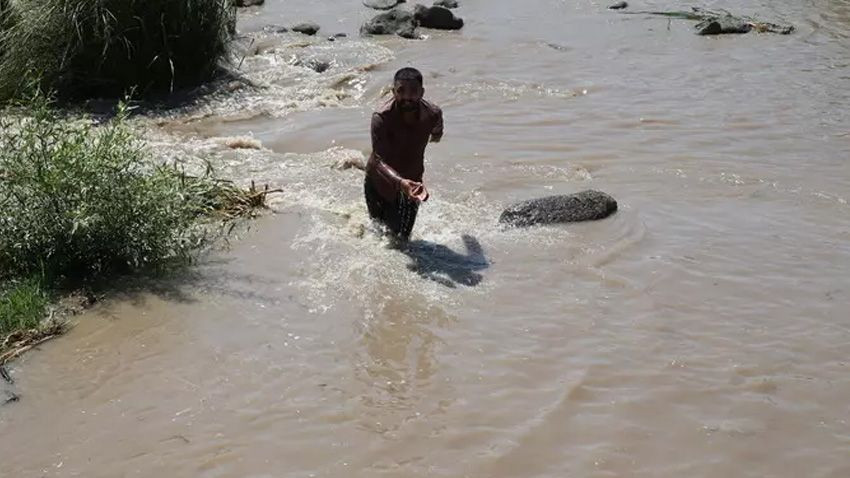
423,90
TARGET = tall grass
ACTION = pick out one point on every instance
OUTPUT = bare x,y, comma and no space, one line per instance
106,47
79,201
22,306
82,202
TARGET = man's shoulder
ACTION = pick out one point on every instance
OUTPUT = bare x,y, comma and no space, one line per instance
384,108
432,108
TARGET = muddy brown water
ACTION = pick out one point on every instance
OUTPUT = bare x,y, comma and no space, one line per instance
702,331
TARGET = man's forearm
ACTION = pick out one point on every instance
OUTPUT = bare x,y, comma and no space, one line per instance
378,167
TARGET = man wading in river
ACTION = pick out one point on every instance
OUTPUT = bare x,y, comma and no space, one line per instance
401,130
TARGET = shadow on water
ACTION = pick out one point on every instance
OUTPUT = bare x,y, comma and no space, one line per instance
440,264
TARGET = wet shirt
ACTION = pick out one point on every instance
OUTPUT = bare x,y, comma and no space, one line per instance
401,145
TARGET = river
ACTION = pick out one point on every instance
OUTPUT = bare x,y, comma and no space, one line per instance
702,331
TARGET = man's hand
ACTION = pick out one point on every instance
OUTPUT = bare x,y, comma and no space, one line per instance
414,191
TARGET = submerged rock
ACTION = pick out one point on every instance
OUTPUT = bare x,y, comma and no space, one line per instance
437,17
619,6
382,4
398,21
721,22
248,3
318,65
723,25
275,29
11,397
446,3
307,28
726,24
584,206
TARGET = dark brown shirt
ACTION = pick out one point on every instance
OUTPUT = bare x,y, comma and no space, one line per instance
401,145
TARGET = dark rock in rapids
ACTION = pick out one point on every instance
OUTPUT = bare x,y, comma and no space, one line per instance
398,21
619,6
437,17
6,376
584,206
446,3
248,3
307,28
319,66
11,397
382,4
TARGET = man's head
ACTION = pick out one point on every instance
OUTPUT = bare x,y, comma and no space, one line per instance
407,89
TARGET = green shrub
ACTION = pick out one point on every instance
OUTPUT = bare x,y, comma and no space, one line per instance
106,47
77,200
5,23
22,306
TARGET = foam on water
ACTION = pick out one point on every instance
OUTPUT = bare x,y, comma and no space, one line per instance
279,69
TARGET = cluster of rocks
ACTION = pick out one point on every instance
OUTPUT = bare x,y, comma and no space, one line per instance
394,20
404,22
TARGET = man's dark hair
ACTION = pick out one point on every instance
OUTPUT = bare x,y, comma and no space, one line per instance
408,74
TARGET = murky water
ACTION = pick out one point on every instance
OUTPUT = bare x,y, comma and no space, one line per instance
702,331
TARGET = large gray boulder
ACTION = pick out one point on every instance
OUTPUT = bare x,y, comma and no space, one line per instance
584,206
398,21
382,4
437,17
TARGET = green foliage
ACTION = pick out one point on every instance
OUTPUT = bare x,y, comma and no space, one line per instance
79,201
22,306
106,47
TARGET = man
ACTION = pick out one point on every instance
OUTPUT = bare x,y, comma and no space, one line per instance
401,130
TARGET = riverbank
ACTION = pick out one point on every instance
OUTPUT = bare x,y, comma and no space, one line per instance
85,203
85,199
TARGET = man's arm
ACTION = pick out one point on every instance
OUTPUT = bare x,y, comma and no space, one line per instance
437,131
376,166
388,182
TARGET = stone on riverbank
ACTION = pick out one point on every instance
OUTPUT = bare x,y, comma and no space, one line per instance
438,18
584,206
398,21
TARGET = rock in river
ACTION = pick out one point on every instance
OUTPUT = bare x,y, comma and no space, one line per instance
446,3
382,4
437,17
584,206
307,28
398,21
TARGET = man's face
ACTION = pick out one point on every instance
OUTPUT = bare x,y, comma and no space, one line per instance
407,95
